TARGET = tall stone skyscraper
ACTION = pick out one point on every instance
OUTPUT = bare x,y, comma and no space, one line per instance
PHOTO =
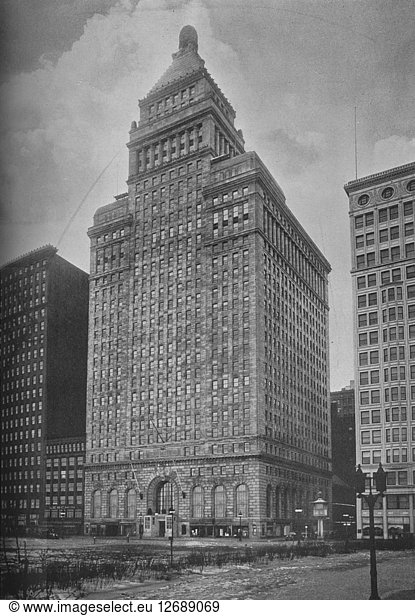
208,382
383,270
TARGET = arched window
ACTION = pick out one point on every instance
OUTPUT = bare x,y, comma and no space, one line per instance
197,502
277,503
242,500
96,504
131,504
268,503
293,502
164,499
113,504
219,502
299,500
285,503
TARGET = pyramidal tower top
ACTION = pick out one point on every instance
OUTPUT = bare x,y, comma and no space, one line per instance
186,60
183,113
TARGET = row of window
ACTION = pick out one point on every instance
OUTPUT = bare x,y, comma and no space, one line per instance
392,435
229,219
161,152
392,394
171,102
388,295
234,194
158,196
391,456
384,215
391,414
385,235
173,173
385,256
103,504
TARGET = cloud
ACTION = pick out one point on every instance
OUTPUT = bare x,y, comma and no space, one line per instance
393,151
296,152
63,122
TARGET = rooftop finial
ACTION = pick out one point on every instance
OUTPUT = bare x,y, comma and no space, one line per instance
188,38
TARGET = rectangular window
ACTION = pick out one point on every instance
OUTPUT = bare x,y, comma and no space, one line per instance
364,417
364,378
371,280
360,241
385,277
383,235
410,250
365,457
365,437
393,212
397,501
374,357
395,253
360,261
362,320
361,301
394,233
396,275
383,215
358,222
364,397
369,219
376,436
409,229
376,416
372,299
384,255
408,208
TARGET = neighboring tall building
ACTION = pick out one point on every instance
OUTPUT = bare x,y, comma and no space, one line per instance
343,445
44,321
208,356
383,272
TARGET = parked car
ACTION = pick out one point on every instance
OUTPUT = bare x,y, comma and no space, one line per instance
291,536
52,534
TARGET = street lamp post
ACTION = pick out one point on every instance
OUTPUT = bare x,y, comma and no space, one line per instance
171,511
380,484
240,525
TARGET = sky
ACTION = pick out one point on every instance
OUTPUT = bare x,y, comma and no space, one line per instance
72,72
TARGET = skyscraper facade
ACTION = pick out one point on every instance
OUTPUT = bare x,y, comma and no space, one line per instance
383,273
343,442
208,360
44,321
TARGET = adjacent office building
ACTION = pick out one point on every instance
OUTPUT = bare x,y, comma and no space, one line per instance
44,320
208,408
383,272
343,442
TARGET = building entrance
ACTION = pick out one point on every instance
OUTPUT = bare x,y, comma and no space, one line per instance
162,528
